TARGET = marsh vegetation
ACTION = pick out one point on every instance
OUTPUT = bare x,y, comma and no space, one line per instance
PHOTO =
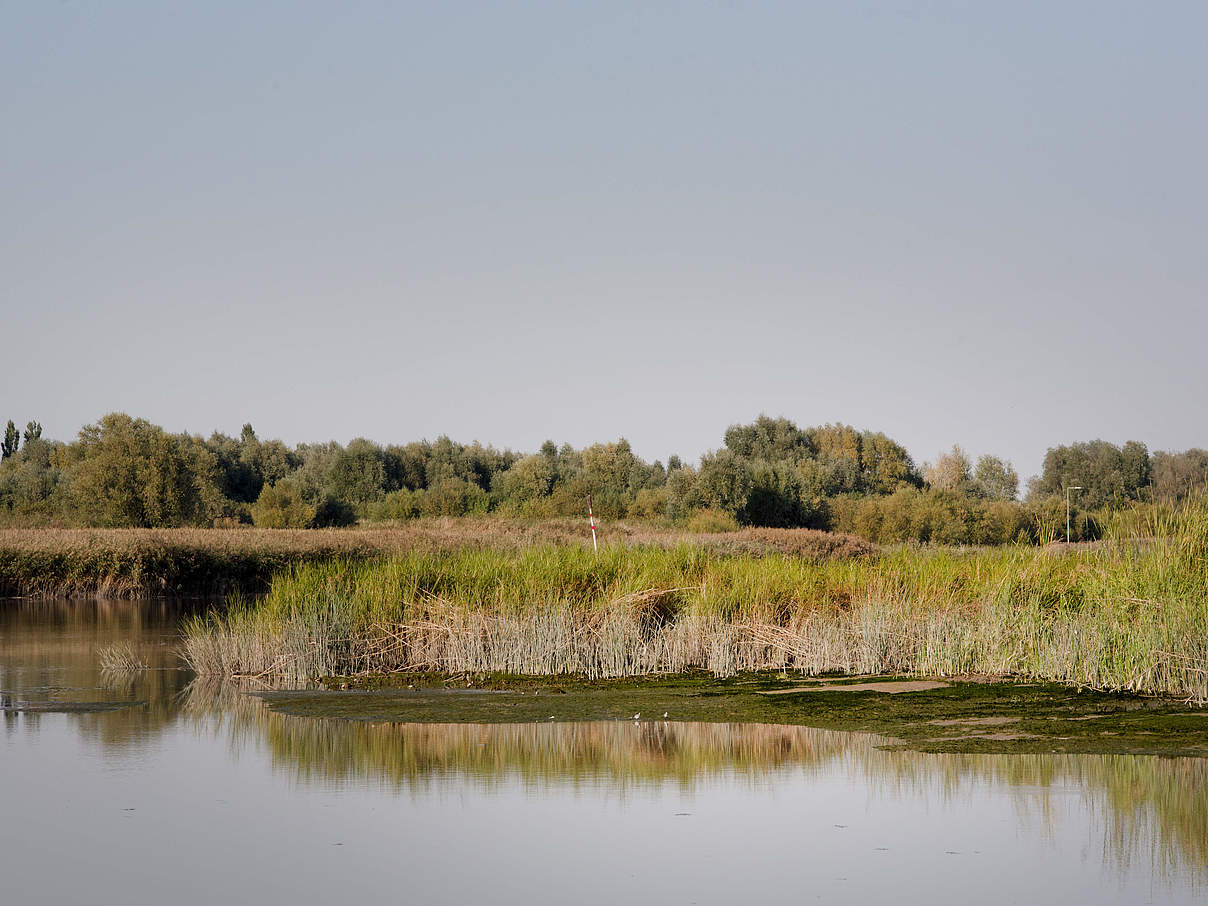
108,563
1129,613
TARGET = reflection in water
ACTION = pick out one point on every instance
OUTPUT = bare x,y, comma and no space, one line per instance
1147,808
1150,813
49,653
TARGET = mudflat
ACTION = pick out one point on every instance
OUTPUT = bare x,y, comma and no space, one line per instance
935,715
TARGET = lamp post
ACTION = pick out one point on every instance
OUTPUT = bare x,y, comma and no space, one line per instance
1067,510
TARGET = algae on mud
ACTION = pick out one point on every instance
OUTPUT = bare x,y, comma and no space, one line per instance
964,717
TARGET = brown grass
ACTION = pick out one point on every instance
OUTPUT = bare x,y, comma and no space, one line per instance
138,562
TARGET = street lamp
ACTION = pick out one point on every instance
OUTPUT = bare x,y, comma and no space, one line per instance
1067,510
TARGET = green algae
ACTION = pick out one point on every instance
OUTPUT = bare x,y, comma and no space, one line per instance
70,707
1000,717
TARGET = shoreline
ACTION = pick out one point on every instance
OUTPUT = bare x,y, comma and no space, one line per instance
975,716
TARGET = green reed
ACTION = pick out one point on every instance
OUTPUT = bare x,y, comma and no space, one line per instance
1128,613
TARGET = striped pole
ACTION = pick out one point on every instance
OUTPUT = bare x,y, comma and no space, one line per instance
591,517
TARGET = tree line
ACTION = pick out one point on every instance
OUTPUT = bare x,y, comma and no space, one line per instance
125,471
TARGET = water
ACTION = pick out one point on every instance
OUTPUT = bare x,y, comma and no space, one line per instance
199,794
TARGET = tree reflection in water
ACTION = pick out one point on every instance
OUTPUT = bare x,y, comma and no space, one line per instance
1149,808
1144,808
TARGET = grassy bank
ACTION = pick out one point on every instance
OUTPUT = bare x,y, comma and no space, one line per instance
1121,616
142,562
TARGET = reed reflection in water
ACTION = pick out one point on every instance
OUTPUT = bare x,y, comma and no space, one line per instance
1140,807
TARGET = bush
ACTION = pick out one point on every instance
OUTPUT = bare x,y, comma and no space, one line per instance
332,512
650,503
454,497
933,516
280,506
397,506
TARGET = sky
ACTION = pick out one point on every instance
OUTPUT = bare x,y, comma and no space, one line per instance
953,222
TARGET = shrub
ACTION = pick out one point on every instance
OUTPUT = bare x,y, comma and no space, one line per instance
332,512
705,520
280,506
397,506
650,503
454,497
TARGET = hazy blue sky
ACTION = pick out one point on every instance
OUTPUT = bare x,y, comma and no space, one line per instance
953,222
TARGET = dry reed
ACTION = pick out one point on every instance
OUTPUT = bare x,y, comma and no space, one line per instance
142,562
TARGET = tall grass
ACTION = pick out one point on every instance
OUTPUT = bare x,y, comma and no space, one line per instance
1127,614
139,562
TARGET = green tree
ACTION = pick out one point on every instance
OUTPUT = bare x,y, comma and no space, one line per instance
311,476
12,439
454,497
723,483
237,477
777,497
397,506
995,479
357,474
131,472
770,440
951,471
681,493
1177,476
528,481
33,431
406,466
1108,475
885,466
31,481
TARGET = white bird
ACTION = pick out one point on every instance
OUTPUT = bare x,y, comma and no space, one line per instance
637,716
664,715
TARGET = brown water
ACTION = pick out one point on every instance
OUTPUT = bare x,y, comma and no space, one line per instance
199,794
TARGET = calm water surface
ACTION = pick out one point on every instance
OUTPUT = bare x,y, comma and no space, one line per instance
199,794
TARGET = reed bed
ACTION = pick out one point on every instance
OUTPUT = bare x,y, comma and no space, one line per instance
143,562
1123,615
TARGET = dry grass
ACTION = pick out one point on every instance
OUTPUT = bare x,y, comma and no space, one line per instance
137,562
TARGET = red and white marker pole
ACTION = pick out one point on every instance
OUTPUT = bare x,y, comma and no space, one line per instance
591,517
